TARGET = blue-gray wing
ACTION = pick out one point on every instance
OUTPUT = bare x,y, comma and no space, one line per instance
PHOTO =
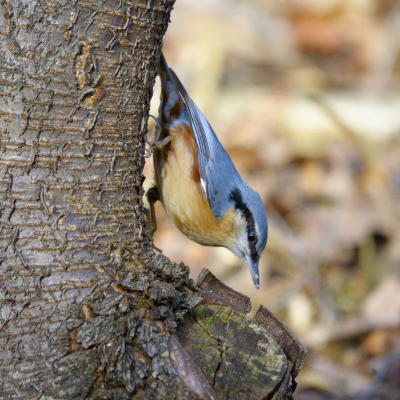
217,172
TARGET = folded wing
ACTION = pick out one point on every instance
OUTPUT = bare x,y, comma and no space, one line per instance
213,161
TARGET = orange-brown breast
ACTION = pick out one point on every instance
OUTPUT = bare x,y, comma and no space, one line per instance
178,182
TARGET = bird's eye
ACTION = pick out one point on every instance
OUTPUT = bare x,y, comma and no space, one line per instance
252,237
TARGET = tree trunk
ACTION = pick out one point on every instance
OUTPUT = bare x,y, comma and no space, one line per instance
88,307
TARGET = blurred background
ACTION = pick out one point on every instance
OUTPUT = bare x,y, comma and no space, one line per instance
304,96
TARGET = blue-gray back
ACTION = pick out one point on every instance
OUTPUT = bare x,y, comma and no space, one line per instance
217,173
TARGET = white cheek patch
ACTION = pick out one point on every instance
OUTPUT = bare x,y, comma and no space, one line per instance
241,248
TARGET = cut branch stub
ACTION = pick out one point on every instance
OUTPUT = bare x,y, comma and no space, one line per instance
240,357
189,371
235,354
215,292
294,350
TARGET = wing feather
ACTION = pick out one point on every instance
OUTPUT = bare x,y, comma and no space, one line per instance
218,175
205,139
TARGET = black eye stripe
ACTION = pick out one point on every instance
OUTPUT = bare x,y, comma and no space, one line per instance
237,199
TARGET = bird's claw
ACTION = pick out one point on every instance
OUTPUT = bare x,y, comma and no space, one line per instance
152,228
150,223
156,144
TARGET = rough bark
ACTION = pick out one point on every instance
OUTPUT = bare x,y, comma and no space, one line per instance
76,79
88,308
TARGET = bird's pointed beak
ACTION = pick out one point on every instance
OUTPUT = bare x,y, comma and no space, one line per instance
253,270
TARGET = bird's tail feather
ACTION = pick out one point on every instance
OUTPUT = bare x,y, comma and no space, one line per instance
171,103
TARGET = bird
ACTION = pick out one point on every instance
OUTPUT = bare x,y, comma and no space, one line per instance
197,183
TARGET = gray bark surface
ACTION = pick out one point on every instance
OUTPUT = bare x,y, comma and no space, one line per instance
88,308
76,78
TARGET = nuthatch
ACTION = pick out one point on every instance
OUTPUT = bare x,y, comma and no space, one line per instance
197,183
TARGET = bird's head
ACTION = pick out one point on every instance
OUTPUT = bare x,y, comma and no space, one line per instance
250,228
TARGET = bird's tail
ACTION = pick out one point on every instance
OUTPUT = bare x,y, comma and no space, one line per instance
171,103
163,69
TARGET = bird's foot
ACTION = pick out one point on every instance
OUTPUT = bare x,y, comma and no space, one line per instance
150,222
152,196
156,144
152,228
